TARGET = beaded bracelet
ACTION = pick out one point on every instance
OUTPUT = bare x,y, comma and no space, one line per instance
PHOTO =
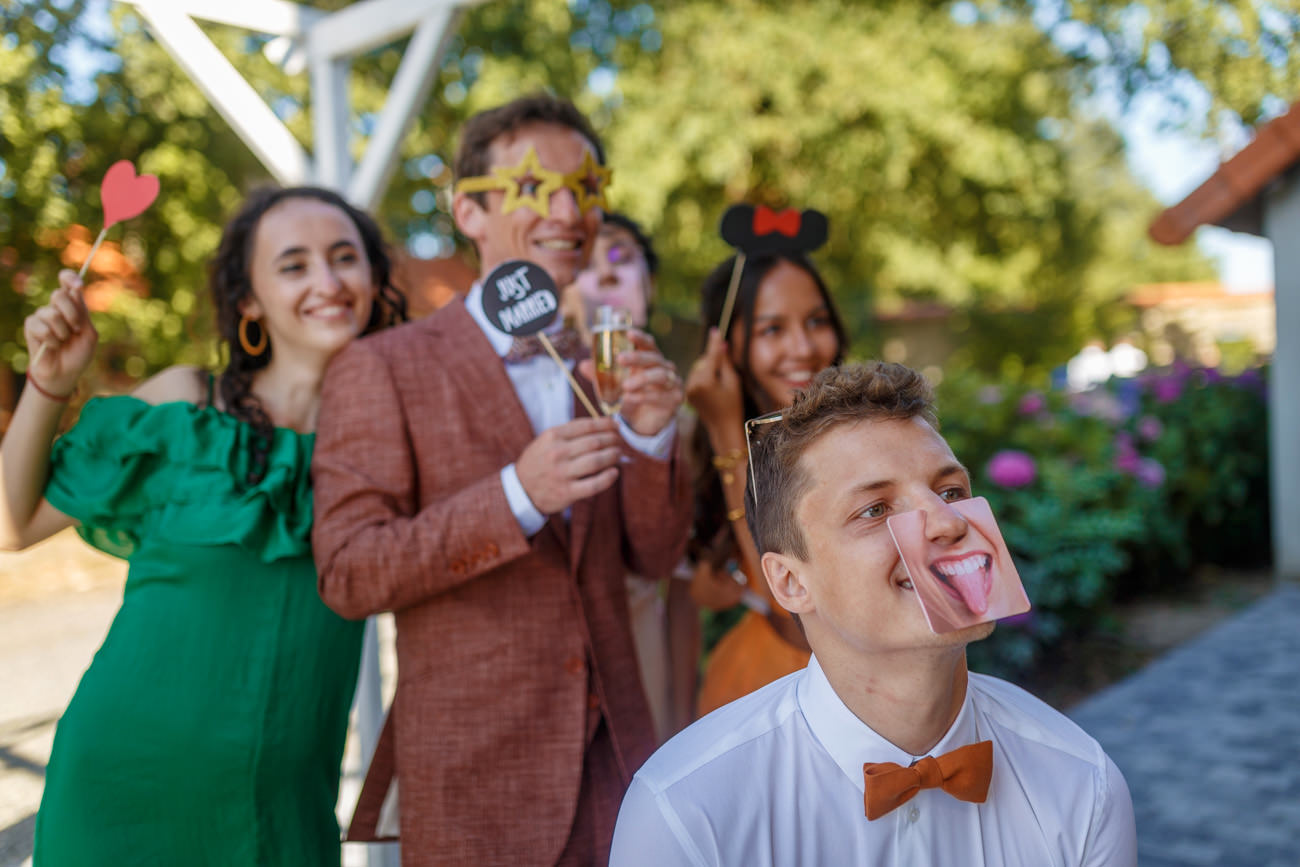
54,397
728,462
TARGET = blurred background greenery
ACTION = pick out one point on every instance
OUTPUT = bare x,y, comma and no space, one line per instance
957,147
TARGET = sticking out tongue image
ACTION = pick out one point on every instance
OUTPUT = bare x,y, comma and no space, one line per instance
967,579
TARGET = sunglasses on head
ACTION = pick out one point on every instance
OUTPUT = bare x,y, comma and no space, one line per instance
750,424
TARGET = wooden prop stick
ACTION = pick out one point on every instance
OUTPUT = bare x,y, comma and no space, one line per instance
730,303
94,249
573,383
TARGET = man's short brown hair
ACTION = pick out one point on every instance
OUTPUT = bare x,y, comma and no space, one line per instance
476,137
874,390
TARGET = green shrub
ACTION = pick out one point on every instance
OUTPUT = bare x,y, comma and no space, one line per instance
1113,492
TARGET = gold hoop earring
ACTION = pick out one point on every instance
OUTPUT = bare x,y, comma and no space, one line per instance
253,350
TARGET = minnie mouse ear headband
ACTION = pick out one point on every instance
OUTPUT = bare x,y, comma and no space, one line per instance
760,231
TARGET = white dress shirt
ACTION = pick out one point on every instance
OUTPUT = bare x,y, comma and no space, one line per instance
543,389
776,779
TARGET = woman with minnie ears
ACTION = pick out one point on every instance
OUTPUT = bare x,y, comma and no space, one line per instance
784,331
210,725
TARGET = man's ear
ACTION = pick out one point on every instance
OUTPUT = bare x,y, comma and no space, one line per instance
785,576
470,216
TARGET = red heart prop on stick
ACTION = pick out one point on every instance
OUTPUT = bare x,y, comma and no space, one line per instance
124,194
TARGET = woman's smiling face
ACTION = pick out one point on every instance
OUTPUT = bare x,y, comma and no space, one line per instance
793,336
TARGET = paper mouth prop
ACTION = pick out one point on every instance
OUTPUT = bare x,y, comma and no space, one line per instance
964,583
530,185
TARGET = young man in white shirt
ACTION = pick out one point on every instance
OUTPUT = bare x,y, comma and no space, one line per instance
884,750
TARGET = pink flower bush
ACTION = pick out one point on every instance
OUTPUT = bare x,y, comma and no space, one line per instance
1149,428
1167,390
1127,458
1011,468
1150,473
1032,403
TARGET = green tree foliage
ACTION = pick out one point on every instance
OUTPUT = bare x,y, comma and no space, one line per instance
945,141
1240,51
946,151
56,144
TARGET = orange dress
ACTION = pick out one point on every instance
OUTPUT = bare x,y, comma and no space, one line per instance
751,655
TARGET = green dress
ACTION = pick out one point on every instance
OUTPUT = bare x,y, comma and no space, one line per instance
209,727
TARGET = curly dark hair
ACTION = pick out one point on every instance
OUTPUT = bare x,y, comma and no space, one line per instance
230,283
711,530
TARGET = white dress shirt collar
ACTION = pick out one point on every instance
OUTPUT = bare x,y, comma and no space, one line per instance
850,742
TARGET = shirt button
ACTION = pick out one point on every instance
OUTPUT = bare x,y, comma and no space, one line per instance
574,665
913,814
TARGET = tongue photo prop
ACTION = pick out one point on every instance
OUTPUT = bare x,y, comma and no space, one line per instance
123,195
959,582
519,299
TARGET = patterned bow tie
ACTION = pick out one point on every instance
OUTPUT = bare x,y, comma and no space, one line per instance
963,773
567,342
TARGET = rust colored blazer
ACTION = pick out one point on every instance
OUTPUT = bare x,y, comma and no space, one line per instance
502,640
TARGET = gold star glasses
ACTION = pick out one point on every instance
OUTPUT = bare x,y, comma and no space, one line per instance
530,185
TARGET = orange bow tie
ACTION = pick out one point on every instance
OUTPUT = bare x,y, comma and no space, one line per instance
963,773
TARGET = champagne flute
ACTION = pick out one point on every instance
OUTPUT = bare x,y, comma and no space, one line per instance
610,338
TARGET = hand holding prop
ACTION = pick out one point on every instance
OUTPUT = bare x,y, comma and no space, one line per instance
760,231
64,323
520,299
124,195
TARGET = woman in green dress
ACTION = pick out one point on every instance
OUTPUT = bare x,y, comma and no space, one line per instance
209,727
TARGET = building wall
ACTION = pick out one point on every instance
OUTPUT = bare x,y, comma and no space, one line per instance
1192,320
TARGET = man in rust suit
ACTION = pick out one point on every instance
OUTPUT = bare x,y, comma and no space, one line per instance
459,485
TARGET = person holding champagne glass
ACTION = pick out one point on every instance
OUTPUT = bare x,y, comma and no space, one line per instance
209,727
614,292
784,331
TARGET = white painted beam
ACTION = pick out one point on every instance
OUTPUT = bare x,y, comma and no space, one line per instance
406,96
276,17
234,98
359,27
331,128
1282,226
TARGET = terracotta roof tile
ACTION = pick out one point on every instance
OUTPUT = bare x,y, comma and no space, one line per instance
1238,181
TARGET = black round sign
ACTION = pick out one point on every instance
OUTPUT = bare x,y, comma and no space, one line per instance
519,298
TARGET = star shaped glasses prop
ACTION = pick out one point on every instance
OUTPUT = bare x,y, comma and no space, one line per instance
588,184
530,185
